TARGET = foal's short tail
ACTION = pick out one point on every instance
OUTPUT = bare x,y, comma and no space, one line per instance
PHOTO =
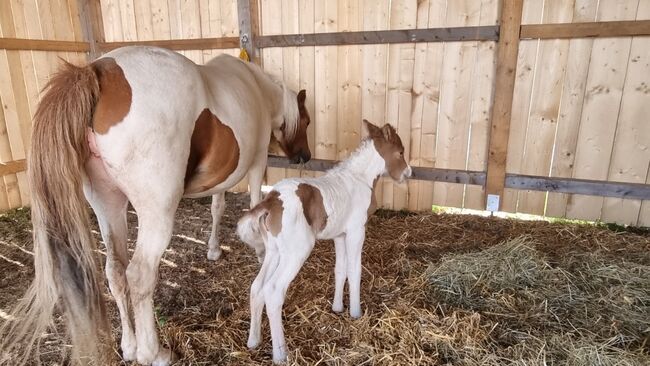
64,261
252,230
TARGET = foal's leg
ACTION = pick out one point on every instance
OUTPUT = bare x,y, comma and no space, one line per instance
354,243
339,273
217,209
109,205
142,273
269,266
292,257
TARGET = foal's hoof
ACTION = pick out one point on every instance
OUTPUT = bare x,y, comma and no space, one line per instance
164,357
128,354
252,343
337,308
214,254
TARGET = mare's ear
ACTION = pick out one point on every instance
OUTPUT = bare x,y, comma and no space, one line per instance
302,95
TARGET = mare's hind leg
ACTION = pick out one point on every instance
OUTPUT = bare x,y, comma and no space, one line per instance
109,204
217,209
156,219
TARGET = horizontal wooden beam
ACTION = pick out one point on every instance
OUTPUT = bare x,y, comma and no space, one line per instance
579,186
419,173
481,33
13,167
178,44
43,45
581,30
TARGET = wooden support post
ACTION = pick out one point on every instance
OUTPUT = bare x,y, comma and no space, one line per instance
249,27
508,48
90,12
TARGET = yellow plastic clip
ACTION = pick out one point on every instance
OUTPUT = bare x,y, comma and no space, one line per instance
244,55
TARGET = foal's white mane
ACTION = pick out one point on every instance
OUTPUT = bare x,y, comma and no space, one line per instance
364,163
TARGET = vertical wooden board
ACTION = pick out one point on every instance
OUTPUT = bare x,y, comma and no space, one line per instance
431,65
272,59
59,16
349,83
419,67
75,18
481,103
4,153
644,214
143,20
10,139
307,70
290,61
210,12
229,20
326,82
455,93
175,22
160,20
127,14
631,152
544,106
526,61
401,59
112,20
573,91
23,29
191,27
374,69
10,19
601,108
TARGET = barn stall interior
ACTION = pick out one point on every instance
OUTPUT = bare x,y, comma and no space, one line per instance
534,107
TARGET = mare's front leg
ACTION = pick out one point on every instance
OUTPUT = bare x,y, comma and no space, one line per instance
354,244
142,273
255,177
217,208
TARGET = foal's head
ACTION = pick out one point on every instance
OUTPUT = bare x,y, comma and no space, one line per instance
389,146
292,134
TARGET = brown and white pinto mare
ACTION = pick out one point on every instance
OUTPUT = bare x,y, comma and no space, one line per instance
148,126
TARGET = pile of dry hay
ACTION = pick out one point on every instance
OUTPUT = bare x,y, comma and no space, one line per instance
584,310
436,289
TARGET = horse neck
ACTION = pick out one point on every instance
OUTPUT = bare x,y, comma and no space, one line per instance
365,164
274,92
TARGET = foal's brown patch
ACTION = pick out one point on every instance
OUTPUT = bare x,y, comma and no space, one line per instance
389,146
115,95
214,154
312,206
272,204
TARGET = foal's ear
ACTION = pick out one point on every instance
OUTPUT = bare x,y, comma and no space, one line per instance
368,129
302,95
387,131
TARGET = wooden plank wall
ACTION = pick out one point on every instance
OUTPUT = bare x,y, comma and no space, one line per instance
579,105
437,95
578,112
24,73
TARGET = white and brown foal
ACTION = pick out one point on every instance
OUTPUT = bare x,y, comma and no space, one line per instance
283,228
148,126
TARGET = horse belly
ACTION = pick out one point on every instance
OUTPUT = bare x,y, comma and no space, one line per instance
215,162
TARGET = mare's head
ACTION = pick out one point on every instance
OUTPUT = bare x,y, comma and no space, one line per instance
292,134
389,146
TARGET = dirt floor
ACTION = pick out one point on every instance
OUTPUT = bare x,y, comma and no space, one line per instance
202,306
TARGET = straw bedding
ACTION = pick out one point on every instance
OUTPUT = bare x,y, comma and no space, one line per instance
436,289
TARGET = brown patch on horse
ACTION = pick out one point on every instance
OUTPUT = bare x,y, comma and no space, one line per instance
312,206
389,146
115,95
214,154
272,204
